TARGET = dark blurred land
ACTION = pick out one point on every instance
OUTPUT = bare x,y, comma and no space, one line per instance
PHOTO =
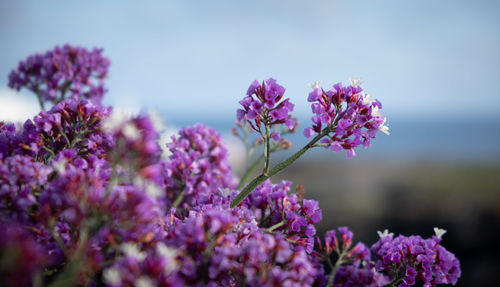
412,198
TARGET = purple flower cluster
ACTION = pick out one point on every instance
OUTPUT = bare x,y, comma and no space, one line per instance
136,144
263,105
198,167
85,199
9,139
348,116
411,259
156,266
275,209
349,275
20,179
353,265
63,71
71,124
227,248
342,246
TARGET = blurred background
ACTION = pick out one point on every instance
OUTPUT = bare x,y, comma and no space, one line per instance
433,64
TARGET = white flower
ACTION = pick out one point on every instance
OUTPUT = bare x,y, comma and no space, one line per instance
153,190
114,121
168,253
60,166
355,82
150,188
225,192
156,120
144,281
376,112
314,85
384,233
132,250
131,132
367,99
384,128
439,232
112,276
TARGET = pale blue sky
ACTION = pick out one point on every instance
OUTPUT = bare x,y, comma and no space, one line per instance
196,58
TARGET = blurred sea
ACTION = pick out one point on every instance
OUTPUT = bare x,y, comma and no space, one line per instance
452,141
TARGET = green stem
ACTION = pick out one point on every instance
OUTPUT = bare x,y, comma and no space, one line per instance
267,152
277,225
52,154
395,282
279,167
335,268
65,137
178,200
39,96
249,172
332,274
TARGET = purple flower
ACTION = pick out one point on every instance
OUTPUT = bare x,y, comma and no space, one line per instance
416,259
349,275
71,124
264,105
135,143
271,205
198,166
62,72
348,115
20,180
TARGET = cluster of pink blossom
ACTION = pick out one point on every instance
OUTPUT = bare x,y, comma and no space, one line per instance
86,199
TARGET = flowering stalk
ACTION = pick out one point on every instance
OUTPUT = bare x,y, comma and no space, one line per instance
267,152
279,167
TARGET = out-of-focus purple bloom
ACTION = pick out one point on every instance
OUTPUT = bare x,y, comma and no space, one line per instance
21,257
157,266
9,140
21,180
62,72
198,166
349,275
136,144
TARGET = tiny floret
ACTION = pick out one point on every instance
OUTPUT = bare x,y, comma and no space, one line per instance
314,85
384,233
384,128
439,232
356,82
132,250
144,281
112,276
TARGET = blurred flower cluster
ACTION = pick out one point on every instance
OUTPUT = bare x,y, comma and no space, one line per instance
61,72
87,199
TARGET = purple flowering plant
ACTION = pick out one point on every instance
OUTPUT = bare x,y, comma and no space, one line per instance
88,197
